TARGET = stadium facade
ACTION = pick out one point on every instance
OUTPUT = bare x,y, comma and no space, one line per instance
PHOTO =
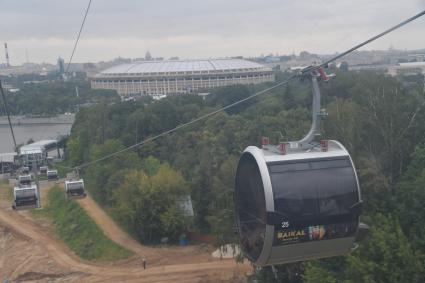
159,78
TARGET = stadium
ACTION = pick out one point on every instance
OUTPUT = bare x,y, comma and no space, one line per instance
159,78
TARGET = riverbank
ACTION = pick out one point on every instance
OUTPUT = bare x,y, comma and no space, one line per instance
67,119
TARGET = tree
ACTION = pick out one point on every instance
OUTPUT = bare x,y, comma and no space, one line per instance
148,205
228,95
221,216
103,178
289,98
386,256
288,273
410,199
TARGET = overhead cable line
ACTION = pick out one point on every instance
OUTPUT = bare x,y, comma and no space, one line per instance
405,22
186,124
6,108
74,49
304,71
78,36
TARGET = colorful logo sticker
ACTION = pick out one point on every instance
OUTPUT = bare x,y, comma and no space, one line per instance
290,236
316,232
313,233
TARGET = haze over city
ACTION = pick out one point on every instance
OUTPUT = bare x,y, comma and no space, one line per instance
201,29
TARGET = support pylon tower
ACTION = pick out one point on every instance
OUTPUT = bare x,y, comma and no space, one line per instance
7,55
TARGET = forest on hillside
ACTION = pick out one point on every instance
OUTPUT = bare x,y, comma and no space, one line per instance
380,119
49,96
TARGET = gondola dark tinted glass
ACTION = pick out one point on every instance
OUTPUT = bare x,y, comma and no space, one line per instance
251,210
312,192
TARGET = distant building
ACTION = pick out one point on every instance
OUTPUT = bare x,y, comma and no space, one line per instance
148,56
416,57
61,65
271,59
37,152
7,86
7,162
343,66
409,68
43,72
159,78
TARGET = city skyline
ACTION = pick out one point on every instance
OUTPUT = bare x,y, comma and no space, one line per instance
188,29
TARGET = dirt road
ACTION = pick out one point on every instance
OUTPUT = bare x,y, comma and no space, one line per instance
29,252
155,256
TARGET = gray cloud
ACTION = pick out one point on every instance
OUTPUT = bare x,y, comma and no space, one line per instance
207,28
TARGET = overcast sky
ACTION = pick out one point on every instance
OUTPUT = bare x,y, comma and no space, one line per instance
201,28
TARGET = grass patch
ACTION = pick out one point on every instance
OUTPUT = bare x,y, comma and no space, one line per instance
79,231
6,192
42,177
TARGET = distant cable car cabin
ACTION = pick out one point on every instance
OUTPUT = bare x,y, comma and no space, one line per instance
44,169
25,197
75,188
25,170
52,175
297,201
24,180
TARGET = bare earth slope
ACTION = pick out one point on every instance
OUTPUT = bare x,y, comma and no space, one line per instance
154,256
29,253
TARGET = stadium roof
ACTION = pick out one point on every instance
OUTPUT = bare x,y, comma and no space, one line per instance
37,147
412,64
172,66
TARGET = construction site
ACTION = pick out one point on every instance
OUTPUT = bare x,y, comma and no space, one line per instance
31,252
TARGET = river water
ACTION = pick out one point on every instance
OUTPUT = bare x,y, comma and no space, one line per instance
33,128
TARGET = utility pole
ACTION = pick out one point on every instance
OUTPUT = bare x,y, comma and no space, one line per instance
37,183
7,55
8,115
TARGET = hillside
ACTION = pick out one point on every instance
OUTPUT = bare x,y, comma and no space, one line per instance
378,118
51,260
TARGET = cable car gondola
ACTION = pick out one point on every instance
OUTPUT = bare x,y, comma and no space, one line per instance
75,189
25,170
44,169
298,200
52,175
25,197
24,180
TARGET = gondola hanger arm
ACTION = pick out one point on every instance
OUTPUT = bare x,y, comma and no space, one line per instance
314,74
